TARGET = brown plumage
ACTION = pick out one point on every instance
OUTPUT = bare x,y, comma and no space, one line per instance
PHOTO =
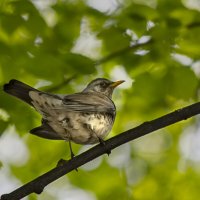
84,118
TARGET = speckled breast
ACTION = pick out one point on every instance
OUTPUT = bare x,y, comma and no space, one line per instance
83,128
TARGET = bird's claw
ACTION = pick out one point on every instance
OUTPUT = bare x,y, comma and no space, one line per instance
72,155
102,142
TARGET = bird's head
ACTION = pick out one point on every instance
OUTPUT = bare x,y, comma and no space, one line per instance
103,86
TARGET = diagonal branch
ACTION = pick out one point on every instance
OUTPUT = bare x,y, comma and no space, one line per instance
123,51
37,185
62,84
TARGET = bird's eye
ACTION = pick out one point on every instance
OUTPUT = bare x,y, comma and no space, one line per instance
103,84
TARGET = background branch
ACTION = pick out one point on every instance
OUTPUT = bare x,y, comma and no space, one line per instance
122,51
37,185
105,59
62,84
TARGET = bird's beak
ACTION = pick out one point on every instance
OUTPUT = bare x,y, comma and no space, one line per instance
115,84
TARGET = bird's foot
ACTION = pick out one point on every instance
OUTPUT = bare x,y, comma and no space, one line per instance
102,142
72,155
71,152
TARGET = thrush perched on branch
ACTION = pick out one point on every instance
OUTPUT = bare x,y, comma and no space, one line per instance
84,118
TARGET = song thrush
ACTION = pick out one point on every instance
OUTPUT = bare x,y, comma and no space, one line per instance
84,118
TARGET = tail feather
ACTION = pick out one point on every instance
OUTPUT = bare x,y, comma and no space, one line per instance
19,90
45,131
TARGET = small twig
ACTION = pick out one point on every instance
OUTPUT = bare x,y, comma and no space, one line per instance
122,51
37,185
62,84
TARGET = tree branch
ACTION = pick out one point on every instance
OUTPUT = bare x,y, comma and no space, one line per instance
37,185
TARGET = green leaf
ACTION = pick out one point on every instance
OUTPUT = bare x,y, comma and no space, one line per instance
118,37
181,83
81,64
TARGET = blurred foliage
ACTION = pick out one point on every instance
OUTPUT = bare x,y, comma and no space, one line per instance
45,43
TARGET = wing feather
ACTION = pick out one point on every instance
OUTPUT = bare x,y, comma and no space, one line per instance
89,102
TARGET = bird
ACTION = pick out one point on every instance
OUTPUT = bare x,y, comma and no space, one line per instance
84,117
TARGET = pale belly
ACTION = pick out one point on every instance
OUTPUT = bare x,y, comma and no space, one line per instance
82,128
78,127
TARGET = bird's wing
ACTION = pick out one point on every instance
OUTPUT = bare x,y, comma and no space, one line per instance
88,102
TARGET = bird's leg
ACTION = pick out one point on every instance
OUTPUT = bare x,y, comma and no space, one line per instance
72,154
70,145
102,142
70,148
62,161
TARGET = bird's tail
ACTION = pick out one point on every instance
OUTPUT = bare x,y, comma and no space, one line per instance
19,90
